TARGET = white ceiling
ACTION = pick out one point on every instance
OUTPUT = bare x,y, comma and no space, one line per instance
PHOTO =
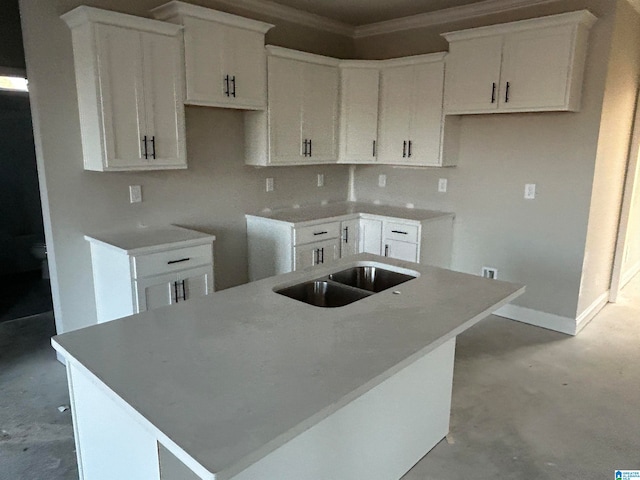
363,12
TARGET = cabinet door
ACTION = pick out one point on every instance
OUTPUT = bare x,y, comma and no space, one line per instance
426,114
349,238
320,111
395,113
120,70
359,95
536,66
370,236
164,100
194,283
157,291
285,110
204,46
473,75
245,61
317,253
401,250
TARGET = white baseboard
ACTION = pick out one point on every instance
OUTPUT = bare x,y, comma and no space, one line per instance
591,311
629,274
550,321
539,319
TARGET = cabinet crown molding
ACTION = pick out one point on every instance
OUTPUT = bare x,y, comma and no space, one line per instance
82,15
276,51
177,9
580,17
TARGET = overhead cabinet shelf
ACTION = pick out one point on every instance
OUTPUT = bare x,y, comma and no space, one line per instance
130,91
527,66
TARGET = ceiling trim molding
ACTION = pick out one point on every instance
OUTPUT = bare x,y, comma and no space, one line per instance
294,15
447,15
635,4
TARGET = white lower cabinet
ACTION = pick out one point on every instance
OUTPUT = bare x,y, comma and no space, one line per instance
150,268
162,290
349,237
370,235
317,253
401,250
279,246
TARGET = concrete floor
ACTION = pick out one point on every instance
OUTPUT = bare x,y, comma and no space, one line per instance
527,403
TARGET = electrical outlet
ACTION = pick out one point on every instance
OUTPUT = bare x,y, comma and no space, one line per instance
530,191
321,179
135,194
442,185
490,272
382,180
269,185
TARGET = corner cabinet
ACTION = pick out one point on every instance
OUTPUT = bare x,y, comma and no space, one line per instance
359,100
149,268
225,60
526,66
130,91
280,246
300,126
410,125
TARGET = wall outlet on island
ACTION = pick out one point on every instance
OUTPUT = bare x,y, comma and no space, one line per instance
490,272
321,179
442,185
382,180
269,185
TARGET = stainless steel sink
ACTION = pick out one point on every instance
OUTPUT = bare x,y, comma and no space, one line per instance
323,293
372,279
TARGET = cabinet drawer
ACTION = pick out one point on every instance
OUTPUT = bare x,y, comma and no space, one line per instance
316,233
401,231
171,260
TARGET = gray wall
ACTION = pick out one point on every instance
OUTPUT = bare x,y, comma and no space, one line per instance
212,195
539,243
611,160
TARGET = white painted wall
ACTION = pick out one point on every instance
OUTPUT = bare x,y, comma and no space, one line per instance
212,195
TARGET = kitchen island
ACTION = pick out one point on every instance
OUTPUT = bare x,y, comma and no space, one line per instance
249,384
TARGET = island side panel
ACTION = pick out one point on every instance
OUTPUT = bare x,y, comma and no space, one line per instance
378,436
109,443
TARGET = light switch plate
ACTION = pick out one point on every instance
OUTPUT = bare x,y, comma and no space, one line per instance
442,185
382,180
135,194
269,185
530,191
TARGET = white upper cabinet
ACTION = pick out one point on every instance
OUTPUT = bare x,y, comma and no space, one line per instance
225,60
300,126
359,98
130,91
410,123
527,66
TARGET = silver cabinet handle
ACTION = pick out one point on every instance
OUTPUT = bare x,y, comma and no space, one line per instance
320,233
399,231
170,262
346,234
386,250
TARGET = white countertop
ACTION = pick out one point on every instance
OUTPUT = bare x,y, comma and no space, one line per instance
148,239
329,211
231,377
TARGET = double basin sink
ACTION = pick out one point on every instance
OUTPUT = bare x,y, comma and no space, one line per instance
345,287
